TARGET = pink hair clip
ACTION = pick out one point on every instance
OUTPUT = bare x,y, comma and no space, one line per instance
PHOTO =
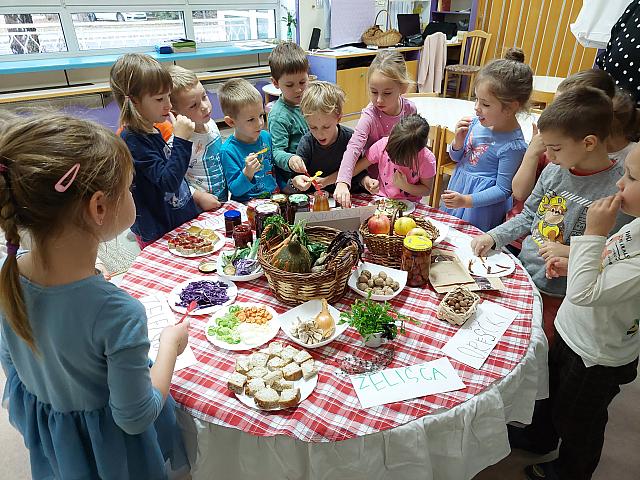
73,172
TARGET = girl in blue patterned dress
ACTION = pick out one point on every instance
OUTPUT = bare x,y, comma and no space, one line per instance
489,147
74,347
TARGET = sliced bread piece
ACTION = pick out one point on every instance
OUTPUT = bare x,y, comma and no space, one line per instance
282,384
242,364
288,353
236,382
276,363
275,348
257,372
253,386
258,359
309,369
267,398
271,377
302,356
292,372
289,398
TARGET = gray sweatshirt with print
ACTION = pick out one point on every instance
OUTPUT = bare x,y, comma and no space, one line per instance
555,211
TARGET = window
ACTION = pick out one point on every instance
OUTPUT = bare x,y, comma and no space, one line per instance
119,29
233,25
28,33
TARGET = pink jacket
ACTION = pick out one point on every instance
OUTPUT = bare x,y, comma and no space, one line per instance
433,59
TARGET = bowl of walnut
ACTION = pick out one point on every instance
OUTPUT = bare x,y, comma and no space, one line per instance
458,306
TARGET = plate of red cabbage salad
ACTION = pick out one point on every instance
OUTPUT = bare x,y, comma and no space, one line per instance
210,292
240,264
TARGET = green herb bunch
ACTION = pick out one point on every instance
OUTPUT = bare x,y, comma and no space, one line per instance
369,317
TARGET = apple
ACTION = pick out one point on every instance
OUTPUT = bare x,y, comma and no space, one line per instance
404,225
420,232
379,224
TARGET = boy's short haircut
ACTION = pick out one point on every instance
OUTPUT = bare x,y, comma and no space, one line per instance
592,77
322,97
287,58
236,94
181,79
579,112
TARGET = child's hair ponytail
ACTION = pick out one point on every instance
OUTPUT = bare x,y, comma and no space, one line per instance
50,166
407,138
509,79
133,76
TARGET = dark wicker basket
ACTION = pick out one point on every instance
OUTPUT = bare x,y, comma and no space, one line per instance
386,249
297,288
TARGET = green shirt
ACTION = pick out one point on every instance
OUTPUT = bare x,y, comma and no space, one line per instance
287,126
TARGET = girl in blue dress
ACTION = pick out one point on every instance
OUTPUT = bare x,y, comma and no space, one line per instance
74,347
489,147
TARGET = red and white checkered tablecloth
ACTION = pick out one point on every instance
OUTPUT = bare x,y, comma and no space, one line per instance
332,412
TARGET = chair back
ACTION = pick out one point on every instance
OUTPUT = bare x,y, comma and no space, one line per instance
475,48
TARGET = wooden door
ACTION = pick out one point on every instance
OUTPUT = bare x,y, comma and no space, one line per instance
354,83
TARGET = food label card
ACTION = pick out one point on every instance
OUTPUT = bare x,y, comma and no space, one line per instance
343,219
476,339
159,315
397,384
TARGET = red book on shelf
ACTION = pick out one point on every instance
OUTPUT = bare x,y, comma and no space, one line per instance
444,5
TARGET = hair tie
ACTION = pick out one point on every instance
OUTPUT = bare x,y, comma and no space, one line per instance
12,248
3,168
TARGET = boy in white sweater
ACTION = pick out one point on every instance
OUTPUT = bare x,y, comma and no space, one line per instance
597,342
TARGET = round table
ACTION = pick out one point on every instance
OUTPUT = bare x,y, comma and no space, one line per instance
451,435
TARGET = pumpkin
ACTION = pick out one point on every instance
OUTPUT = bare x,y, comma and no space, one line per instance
292,256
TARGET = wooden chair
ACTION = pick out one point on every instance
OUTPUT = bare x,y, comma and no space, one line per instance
444,164
472,57
415,94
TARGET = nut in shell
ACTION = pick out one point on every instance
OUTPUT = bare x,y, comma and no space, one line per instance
458,306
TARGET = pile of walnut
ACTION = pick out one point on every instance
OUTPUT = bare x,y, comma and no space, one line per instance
458,306
307,332
378,284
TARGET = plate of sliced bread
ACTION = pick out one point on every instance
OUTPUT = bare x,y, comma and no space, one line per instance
274,378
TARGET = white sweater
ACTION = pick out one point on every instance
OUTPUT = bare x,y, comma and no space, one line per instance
598,319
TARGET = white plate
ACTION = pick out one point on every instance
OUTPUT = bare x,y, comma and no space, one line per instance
216,246
443,230
271,330
305,311
399,276
306,388
410,205
496,261
257,273
174,295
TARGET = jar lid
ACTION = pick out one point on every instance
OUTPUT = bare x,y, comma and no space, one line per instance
417,243
232,214
256,201
267,207
279,197
298,197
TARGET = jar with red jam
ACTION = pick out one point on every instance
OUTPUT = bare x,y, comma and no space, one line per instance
416,260
242,236
251,210
264,211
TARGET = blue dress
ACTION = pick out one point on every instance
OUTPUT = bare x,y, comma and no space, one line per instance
84,404
485,170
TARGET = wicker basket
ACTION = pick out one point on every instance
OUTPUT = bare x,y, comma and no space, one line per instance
376,36
446,312
297,288
386,249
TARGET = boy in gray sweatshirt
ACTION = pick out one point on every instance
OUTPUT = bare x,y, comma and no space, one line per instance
573,129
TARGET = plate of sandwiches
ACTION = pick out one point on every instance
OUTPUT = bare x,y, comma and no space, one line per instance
274,378
196,242
388,206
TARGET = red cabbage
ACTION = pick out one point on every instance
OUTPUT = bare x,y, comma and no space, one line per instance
207,293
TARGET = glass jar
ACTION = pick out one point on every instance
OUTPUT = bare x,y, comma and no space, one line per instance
297,203
282,200
251,210
416,260
321,201
231,219
242,236
264,211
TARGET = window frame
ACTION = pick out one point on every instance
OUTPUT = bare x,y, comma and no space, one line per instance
66,8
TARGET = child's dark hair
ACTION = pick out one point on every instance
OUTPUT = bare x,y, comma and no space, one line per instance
626,121
592,77
133,76
509,79
287,58
35,153
407,138
579,112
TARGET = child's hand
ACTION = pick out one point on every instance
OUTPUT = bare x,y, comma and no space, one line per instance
482,244
601,216
301,182
462,127
176,336
183,127
342,195
536,145
296,164
371,184
556,267
206,201
251,165
400,180
553,249
453,199
101,267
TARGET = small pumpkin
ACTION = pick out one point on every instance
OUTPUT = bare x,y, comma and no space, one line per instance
292,256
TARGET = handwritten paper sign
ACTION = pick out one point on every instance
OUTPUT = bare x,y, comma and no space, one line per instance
476,339
159,315
396,384
343,219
